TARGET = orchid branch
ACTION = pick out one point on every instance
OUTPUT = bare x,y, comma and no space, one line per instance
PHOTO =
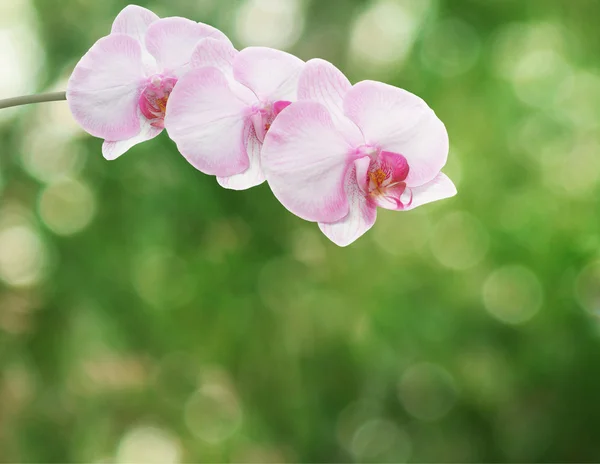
28,99
260,114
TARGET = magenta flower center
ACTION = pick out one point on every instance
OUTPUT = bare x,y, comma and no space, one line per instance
384,179
379,179
263,115
154,97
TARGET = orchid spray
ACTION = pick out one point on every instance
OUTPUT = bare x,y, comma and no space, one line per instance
332,152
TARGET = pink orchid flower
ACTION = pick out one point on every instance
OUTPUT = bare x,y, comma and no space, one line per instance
342,151
120,88
220,111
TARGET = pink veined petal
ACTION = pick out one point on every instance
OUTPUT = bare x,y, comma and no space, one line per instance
112,150
214,53
254,174
361,166
271,74
259,126
172,41
362,211
213,32
398,121
133,20
322,82
305,161
208,122
439,188
105,86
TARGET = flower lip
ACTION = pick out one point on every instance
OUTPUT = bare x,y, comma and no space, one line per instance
263,114
383,180
154,97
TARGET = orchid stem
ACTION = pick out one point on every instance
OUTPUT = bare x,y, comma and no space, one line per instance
28,99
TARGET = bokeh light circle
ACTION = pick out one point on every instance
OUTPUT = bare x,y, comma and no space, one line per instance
451,47
512,294
384,33
381,440
578,97
401,236
587,288
150,445
21,50
459,241
213,413
67,206
427,391
49,156
531,56
23,256
270,23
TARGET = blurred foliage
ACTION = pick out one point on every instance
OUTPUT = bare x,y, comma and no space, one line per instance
148,315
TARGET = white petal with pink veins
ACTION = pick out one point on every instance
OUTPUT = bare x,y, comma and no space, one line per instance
438,189
112,150
252,176
214,53
305,159
209,123
362,211
322,82
133,20
271,74
105,86
171,41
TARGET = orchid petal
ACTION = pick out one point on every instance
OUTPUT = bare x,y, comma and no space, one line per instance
214,53
362,211
361,166
271,74
252,176
438,189
133,20
306,159
172,40
322,82
398,121
279,106
208,122
104,89
112,150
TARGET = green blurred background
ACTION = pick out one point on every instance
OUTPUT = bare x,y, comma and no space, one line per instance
148,315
